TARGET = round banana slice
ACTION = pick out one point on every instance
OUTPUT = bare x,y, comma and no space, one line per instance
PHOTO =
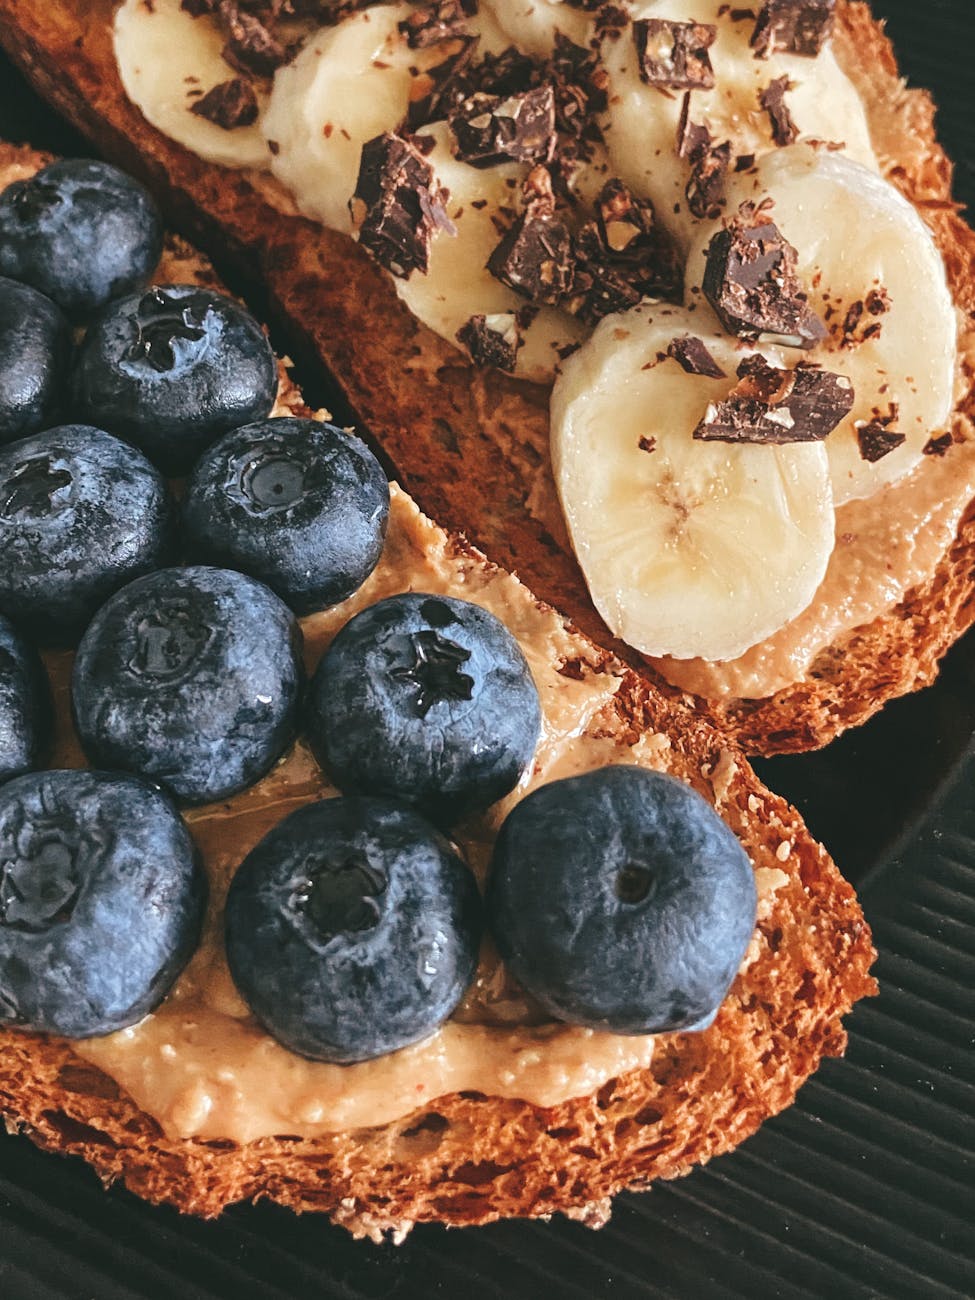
875,276
640,125
167,61
690,548
531,25
458,283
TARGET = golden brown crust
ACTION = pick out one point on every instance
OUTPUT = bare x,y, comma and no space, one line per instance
429,410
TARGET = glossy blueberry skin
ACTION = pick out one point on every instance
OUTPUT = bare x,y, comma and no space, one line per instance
297,503
25,705
387,953
450,737
80,231
172,369
190,678
660,957
101,901
35,345
81,514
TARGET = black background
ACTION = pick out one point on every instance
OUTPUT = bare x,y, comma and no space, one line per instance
864,1188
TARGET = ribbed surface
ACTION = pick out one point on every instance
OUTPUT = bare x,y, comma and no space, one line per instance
864,1188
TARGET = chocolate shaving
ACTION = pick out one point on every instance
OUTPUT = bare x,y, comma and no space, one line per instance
251,47
228,105
693,356
534,257
398,206
439,80
937,446
705,190
490,130
772,99
675,55
750,280
776,407
433,23
492,340
793,27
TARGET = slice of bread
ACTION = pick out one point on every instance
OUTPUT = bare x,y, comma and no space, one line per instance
472,446
469,1158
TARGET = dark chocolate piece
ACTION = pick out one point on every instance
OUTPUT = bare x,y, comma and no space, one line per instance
535,257
439,79
433,23
693,356
397,206
705,189
647,442
750,280
675,55
250,47
793,27
492,340
775,406
490,130
937,446
229,104
876,439
772,99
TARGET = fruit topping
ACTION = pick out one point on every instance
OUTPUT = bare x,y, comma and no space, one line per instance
81,513
34,348
621,900
81,232
172,369
25,704
428,699
189,677
297,503
352,929
101,901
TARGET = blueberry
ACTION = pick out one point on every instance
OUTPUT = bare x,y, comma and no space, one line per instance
427,699
80,231
620,900
352,929
189,677
174,368
34,348
101,901
25,705
299,504
81,513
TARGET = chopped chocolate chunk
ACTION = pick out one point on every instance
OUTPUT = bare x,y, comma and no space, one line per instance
775,406
573,66
492,340
675,55
250,46
772,99
750,280
693,140
861,320
693,356
398,206
228,105
875,440
621,257
793,27
507,73
433,23
937,446
706,188
489,130
647,443
534,257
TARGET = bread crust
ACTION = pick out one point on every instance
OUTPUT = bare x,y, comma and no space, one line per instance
429,410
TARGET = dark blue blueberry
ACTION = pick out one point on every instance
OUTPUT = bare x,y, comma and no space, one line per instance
101,901
299,504
172,369
81,513
621,900
35,343
352,929
189,677
80,231
428,699
25,705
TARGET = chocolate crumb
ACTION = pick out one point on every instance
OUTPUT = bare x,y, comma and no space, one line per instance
433,23
774,406
693,356
675,55
876,440
793,27
250,47
772,99
228,105
398,206
647,443
492,340
937,446
439,79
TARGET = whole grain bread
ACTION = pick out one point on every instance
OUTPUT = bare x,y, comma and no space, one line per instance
432,413
470,1158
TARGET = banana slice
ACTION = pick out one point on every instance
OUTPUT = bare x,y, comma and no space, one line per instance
690,549
641,123
531,25
857,235
167,60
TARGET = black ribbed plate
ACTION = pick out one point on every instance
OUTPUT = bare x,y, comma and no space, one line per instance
866,1187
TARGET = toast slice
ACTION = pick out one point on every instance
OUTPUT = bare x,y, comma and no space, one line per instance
472,446
468,1158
